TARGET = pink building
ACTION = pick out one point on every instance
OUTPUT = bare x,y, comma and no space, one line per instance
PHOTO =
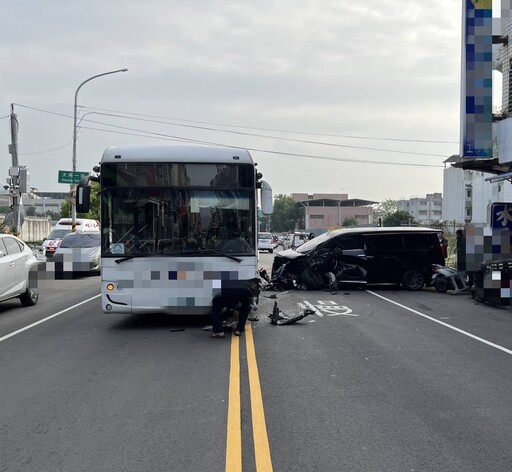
330,210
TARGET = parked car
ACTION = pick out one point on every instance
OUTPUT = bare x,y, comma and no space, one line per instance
402,255
79,254
266,242
294,240
18,270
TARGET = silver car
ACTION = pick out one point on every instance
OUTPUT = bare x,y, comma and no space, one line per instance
18,271
79,254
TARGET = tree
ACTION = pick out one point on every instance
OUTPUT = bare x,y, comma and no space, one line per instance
53,215
285,214
398,218
384,209
30,211
94,211
350,222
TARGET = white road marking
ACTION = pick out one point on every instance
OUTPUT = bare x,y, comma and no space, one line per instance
18,331
312,307
465,333
329,307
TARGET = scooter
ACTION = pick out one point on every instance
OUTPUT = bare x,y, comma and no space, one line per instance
447,278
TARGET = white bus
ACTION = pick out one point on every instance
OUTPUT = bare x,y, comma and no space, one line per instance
179,227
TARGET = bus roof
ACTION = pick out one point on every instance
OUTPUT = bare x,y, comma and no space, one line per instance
177,153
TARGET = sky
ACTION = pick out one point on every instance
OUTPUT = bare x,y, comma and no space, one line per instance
332,96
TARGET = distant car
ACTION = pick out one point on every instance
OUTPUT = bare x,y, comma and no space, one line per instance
294,240
53,241
79,254
18,268
266,242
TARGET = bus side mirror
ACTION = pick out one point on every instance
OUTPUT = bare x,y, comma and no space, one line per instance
83,195
266,198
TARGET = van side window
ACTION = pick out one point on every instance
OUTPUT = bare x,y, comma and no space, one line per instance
384,242
421,241
348,241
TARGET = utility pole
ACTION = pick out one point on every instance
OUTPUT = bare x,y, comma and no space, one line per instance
18,180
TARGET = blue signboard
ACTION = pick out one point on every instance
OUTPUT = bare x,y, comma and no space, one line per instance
501,215
477,80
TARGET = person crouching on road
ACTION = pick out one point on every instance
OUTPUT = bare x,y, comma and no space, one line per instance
243,306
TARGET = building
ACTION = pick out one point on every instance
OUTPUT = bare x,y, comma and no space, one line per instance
42,201
328,211
426,209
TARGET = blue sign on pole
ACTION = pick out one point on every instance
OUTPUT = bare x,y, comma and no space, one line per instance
501,216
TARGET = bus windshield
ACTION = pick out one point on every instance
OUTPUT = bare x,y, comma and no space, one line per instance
170,221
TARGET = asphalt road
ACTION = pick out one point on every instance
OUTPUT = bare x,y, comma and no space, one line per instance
378,380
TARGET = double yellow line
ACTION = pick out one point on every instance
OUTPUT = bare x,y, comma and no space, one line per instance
234,425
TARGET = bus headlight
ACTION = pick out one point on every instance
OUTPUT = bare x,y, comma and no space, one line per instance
110,287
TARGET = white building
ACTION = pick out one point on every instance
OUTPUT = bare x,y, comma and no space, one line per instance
426,209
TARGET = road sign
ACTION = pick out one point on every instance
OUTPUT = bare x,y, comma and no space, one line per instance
70,177
9,219
501,215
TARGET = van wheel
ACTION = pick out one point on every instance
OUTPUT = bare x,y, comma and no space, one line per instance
413,280
30,297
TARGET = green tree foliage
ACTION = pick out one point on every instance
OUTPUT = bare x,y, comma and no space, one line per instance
30,211
285,214
6,229
53,215
384,209
398,218
350,222
94,211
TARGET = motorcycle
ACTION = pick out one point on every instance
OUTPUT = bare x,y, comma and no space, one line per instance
447,278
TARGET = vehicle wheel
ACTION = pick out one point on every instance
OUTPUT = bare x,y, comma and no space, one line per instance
270,251
312,279
441,284
413,280
30,297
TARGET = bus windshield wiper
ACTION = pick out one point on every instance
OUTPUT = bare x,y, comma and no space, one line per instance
127,258
214,251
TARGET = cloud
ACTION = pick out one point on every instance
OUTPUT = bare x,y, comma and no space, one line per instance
374,68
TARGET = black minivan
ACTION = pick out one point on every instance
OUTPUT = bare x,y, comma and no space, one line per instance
394,255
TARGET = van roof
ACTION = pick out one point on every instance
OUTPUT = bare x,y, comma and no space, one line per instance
370,230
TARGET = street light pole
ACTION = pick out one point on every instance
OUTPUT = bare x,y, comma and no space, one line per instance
73,203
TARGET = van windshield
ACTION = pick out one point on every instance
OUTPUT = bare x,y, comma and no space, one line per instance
58,233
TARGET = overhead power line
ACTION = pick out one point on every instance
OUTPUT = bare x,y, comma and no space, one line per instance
347,146
43,152
309,156
280,130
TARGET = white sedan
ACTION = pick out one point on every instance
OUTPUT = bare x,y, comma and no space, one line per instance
18,271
